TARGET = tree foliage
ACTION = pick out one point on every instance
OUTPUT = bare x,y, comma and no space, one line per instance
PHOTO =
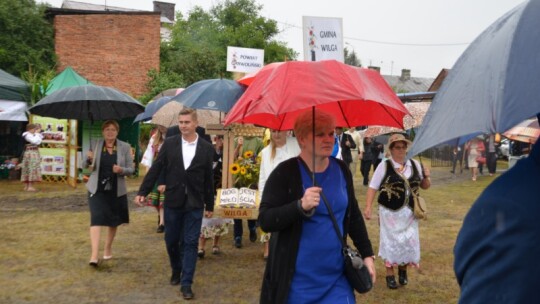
198,47
26,38
351,58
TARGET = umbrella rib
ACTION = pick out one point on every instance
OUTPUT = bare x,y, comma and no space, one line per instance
385,109
343,114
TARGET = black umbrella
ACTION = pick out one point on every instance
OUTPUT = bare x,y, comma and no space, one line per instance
88,102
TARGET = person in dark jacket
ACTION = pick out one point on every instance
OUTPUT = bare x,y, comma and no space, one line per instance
496,252
300,267
186,162
346,143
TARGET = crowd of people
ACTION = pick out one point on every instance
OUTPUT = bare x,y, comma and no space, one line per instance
298,170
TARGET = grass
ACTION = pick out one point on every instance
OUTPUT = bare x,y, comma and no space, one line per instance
46,247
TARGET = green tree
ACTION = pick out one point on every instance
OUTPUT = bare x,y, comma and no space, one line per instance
198,47
26,38
351,58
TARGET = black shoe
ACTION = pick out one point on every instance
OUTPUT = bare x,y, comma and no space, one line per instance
238,242
160,229
252,235
187,293
391,282
200,253
175,278
403,276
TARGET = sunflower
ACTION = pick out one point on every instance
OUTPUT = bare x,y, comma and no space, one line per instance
234,168
248,154
243,170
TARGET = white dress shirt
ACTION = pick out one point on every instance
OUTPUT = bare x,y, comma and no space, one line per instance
188,151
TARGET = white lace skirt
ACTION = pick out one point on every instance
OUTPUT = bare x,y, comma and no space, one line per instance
212,227
399,240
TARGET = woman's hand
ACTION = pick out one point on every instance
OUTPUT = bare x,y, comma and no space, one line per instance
139,200
117,169
427,172
370,264
311,198
367,213
161,188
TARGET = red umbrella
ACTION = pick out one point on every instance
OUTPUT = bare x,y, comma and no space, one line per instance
248,79
355,96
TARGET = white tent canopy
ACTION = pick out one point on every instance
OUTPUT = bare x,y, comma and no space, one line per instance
13,110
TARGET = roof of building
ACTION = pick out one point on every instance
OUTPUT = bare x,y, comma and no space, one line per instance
94,7
408,84
82,6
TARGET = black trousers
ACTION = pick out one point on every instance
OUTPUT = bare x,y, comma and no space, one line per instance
365,167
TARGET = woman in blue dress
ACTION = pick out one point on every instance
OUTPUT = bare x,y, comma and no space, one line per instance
305,264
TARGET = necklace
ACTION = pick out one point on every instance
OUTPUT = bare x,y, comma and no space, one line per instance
105,147
401,168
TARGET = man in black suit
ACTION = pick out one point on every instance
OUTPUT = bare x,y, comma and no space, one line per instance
175,130
186,163
346,143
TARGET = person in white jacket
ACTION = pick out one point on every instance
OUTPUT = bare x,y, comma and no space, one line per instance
281,148
31,162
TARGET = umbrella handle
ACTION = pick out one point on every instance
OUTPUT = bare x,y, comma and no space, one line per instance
313,147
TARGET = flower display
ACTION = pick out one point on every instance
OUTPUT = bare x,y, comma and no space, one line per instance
245,170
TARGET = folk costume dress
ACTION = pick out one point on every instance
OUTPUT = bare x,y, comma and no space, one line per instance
399,242
31,162
154,198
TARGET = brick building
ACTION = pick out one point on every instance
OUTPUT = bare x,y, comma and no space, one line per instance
109,48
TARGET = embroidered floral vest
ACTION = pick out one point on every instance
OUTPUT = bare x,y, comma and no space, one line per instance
393,188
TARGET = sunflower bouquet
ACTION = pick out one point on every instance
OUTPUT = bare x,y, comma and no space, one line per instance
245,170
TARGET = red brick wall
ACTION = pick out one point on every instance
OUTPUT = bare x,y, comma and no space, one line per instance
115,50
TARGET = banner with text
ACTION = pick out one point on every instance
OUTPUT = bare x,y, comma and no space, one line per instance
323,38
244,60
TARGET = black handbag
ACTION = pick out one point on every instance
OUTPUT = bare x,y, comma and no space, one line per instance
355,270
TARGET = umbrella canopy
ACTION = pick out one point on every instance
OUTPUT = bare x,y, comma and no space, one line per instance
526,131
494,84
88,102
167,116
248,79
211,94
151,108
417,109
355,96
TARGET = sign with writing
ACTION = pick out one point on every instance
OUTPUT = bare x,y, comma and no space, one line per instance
238,198
244,60
323,38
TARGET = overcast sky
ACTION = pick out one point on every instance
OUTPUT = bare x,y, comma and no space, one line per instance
421,35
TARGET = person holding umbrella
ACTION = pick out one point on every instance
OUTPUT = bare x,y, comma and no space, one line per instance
290,209
110,162
397,178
